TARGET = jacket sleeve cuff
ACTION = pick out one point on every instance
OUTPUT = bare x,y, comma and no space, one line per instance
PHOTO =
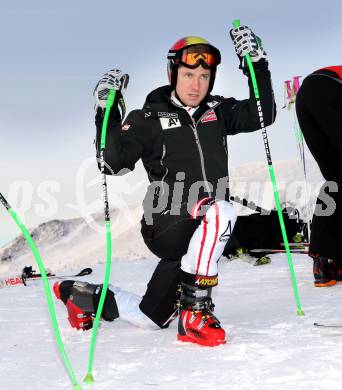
258,66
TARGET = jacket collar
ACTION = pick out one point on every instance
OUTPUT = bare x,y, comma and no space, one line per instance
163,95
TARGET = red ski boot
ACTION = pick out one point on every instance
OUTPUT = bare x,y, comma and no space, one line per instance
78,318
82,299
200,327
197,323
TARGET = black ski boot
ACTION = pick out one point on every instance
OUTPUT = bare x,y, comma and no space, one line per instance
325,271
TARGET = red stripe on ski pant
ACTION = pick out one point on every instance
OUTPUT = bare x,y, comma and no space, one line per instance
205,223
217,224
197,207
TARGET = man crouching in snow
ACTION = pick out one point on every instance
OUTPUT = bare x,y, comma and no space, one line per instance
180,135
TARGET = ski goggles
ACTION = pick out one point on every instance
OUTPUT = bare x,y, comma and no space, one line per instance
193,56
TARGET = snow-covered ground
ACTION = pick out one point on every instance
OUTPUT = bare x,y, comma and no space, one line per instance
269,346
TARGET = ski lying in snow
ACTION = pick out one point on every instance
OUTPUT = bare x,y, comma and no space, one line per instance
327,325
270,251
29,275
297,244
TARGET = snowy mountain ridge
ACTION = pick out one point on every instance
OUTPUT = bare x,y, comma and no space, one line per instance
45,233
64,244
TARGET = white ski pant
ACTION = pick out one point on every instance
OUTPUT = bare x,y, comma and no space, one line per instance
209,239
128,307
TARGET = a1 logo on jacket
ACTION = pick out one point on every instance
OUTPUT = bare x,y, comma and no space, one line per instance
169,123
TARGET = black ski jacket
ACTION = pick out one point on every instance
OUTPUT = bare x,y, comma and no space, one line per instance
185,158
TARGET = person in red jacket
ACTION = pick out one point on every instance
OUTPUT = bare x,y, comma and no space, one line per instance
180,135
319,111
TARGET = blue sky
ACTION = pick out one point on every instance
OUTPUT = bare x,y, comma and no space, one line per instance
54,52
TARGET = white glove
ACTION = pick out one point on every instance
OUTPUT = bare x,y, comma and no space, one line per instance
245,41
114,79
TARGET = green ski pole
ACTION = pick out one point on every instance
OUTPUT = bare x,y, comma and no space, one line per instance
47,290
110,100
236,23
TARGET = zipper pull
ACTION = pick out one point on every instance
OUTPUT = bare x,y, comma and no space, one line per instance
194,128
195,134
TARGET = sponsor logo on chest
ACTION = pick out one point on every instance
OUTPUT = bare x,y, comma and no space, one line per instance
167,115
210,116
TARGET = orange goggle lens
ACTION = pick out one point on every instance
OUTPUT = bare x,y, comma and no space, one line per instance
195,58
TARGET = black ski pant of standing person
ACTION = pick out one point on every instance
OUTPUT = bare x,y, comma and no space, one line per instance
319,111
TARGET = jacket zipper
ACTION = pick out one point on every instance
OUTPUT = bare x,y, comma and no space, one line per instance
225,146
166,169
199,147
200,150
